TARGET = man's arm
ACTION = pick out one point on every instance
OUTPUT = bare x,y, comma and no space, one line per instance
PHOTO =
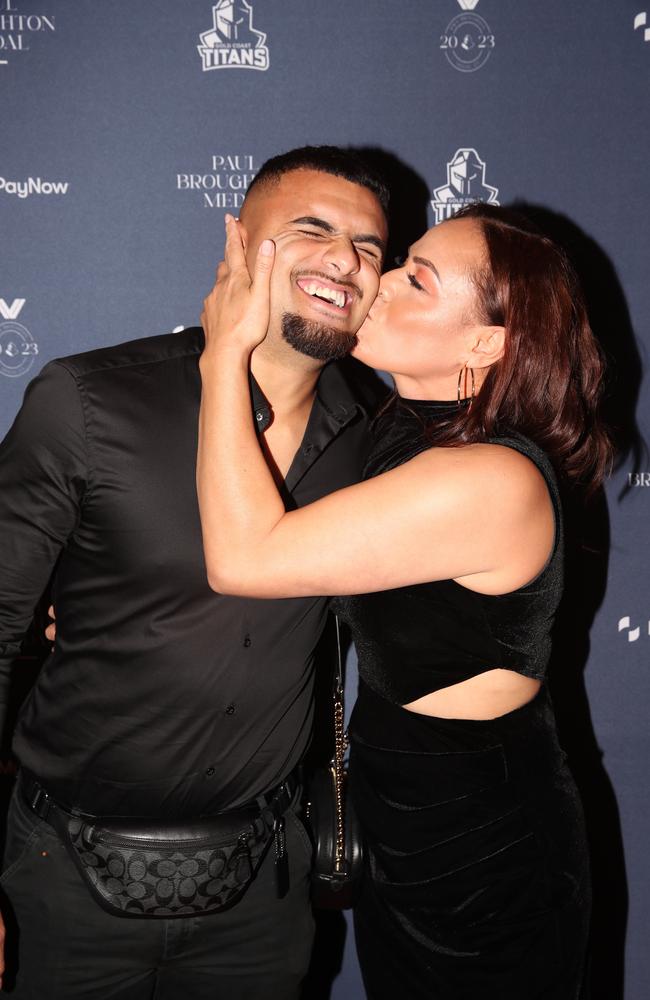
43,478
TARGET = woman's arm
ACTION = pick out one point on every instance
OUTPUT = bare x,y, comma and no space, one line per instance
481,513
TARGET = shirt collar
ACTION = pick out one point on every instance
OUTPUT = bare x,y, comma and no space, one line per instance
261,408
333,392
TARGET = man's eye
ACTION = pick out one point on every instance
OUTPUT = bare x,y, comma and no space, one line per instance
416,284
369,252
309,232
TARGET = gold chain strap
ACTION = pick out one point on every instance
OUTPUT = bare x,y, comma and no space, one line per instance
337,763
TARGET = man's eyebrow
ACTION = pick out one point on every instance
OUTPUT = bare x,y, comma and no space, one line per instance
429,264
311,220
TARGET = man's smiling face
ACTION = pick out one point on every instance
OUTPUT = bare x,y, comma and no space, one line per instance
329,235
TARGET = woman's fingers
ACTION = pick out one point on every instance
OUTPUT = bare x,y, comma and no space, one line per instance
260,290
264,262
263,268
234,252
236,311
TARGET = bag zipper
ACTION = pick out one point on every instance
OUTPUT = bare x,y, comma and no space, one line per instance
167,845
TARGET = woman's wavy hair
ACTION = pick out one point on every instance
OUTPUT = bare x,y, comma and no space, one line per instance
549,382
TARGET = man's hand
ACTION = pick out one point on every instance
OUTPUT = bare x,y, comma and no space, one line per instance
236,312
50,631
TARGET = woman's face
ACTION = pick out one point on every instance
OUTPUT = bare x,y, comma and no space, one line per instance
423,324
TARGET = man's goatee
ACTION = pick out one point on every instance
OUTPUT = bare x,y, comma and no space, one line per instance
316,340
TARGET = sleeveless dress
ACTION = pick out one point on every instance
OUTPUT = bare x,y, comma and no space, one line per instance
477,880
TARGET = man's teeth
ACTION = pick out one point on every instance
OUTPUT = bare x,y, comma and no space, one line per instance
329,294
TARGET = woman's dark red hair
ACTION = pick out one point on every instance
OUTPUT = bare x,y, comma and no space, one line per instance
548,384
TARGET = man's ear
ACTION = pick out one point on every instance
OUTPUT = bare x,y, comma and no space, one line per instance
488,346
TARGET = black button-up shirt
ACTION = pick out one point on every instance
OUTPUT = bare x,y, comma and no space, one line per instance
161,697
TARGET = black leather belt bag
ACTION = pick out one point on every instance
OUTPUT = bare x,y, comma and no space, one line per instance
149,868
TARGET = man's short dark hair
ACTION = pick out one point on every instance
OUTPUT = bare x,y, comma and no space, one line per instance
337,160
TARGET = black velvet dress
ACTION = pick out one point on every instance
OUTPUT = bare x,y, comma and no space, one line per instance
477,881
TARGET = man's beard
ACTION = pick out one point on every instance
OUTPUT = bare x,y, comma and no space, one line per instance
316,340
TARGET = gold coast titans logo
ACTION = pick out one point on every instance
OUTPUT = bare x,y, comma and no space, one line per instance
465,184
233,42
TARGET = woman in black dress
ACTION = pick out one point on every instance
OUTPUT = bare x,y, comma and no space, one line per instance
451,554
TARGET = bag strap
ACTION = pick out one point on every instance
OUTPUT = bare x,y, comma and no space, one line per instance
337,763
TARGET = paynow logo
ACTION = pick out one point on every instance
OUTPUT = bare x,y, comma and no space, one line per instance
33,185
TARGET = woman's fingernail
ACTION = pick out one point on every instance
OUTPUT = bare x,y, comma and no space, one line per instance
227,218
266,248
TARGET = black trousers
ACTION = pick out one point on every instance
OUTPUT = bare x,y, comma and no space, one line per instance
62,946
477,883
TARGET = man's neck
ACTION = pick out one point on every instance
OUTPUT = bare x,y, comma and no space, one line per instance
288,381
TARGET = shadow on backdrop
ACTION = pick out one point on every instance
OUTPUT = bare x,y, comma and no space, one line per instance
409,200
588,540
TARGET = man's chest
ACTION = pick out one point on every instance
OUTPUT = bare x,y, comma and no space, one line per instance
140,513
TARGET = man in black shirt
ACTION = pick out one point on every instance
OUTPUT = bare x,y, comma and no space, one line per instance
163,701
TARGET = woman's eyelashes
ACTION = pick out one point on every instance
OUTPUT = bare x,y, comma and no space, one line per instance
416,284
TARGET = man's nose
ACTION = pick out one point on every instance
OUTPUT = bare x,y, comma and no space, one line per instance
342,254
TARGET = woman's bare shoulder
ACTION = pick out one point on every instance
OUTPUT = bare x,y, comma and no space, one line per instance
499,467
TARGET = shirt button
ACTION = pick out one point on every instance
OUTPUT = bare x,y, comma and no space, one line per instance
230,710
209,772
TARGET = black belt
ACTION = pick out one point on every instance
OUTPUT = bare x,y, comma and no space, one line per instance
272,804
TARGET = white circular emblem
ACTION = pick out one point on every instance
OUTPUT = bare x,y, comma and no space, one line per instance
467,42
17,349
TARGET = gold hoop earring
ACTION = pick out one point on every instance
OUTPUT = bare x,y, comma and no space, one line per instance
460,398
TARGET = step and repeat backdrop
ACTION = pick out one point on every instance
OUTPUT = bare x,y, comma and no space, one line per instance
129,128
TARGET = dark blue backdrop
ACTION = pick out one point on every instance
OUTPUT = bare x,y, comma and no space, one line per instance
127,131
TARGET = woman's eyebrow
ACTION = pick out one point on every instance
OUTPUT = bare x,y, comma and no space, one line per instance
429,264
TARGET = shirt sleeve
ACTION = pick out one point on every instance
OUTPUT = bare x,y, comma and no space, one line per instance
43,479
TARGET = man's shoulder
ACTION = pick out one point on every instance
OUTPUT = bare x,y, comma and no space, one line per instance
167,347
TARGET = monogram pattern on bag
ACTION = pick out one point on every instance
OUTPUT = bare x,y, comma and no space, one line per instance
163,881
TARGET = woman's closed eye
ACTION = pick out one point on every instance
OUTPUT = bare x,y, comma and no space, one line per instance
416,284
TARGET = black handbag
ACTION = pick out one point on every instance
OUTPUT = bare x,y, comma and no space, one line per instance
336,834
138,868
